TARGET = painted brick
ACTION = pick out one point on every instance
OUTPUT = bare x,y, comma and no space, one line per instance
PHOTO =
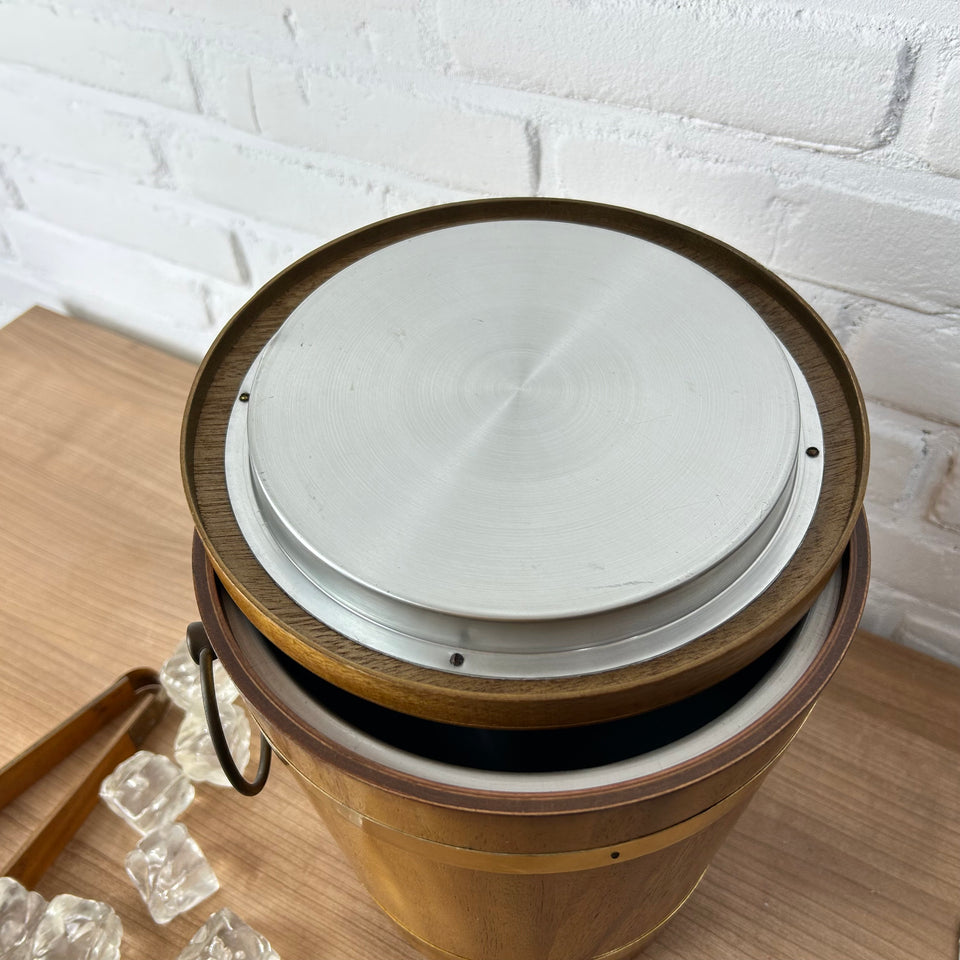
943,144
268,251
328,32
273,188
946,506
384,30
6,247
138,321
683,59
131,61
926,627
224,79
140,217
19,291
735,205
936,633
158,301
898,457
918,557
886,250
911,361
842,312
443,142
883,612
8,311
44,120
941,13
223,301
9,197
266,19
404,196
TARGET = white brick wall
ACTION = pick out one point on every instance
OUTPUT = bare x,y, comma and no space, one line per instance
144,218
426,137
723,199
735,64
909,360
97,278
90,50
161,159
47,119
943,145
946,506
856,241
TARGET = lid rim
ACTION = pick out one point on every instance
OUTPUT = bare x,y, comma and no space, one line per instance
531,703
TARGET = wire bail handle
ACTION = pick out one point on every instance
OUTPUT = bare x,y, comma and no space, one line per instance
203,654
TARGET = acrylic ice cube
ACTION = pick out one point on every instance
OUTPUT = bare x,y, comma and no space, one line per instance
170,872
194,748
75,929
226,937
180,677
20,912
147,790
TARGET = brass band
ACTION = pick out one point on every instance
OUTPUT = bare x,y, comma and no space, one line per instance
562,861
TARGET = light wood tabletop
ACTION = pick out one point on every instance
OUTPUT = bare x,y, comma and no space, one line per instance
850,850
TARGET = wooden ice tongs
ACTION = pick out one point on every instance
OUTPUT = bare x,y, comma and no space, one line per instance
139,689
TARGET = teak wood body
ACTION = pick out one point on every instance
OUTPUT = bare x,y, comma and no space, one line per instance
555,702
569,876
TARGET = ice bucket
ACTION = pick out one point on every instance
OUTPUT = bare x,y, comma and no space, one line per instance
530,531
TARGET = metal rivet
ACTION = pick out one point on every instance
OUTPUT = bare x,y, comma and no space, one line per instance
614,855
813,452
456,659
244,397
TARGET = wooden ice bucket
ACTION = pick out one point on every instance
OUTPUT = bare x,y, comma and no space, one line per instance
530,532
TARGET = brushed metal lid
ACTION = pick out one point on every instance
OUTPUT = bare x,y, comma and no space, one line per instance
523,449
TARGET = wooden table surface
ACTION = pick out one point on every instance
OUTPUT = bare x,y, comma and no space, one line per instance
850,850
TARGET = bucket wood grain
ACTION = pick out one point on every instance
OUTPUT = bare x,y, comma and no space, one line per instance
566,875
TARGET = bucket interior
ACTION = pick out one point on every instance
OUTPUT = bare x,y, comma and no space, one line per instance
534,750
534,760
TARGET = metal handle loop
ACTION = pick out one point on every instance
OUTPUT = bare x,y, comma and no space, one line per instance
203,654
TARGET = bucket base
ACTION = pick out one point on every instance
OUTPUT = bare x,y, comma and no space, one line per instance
628,950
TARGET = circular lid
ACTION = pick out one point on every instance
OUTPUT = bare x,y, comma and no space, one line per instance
520,421
522,449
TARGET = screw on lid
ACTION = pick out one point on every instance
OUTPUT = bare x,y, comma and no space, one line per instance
621,401
554,447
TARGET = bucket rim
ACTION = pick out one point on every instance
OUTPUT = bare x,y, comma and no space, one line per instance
749,742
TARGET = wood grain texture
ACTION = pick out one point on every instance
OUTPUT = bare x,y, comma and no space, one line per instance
557,701
488,876
137,694
577,915
851,849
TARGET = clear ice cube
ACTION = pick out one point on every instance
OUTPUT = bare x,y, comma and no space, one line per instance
170,872
76,929
147,790
226,937
193,747
20,913
180,677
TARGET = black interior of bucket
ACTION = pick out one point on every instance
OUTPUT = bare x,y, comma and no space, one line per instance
534,751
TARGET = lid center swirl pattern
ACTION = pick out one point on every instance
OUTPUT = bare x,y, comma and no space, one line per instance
478,434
